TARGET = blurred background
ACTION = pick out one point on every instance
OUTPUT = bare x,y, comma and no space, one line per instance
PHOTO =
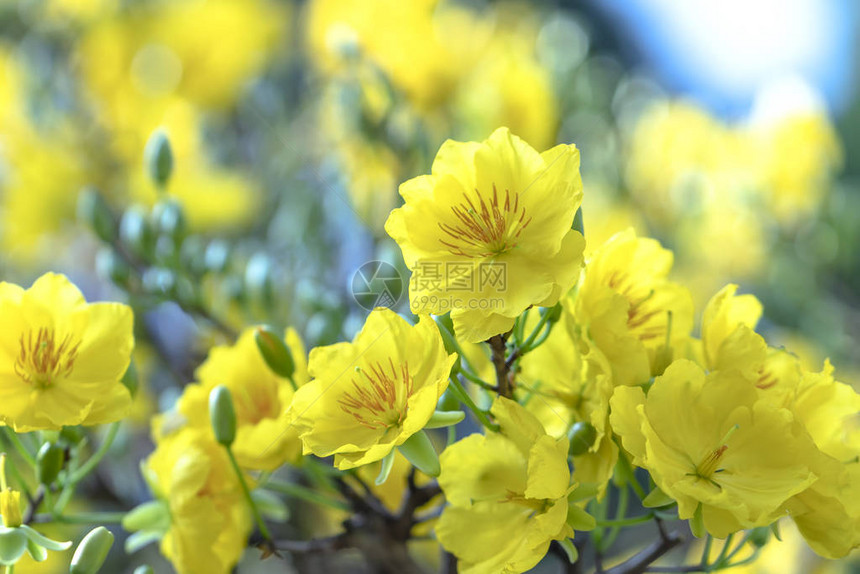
727,129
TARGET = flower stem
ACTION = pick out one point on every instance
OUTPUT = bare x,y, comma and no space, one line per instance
15,440
264,530
77,475
464,398
306,494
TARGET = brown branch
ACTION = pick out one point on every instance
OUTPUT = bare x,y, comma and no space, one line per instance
641,561
499,349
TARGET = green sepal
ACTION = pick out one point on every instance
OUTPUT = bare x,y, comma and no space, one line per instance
153,515
579,519
385,469
44,541
13,544
775,529
140,539
697,523
420,452
442,419
657,499
36,552
569,549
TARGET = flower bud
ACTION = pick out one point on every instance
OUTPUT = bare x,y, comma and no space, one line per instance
222,415
136,233
144,569
275,352
159,281
441,419
217,256
759,536
258,278
169,219
13,544
582,436
92,551
109,265
49,462
554,313
421,453
158,158
94,211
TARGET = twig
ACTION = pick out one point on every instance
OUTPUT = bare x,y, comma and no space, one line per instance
499,348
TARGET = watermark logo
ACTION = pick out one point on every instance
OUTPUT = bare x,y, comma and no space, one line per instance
377,284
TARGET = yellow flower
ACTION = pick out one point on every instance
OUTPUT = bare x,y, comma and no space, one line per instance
264,437
507,493
488,233
728,331
712,445
407,40
61,359
626,304
209,517
567,382
828,513
369,396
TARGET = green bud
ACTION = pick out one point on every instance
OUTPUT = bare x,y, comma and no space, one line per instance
158,158
582,436
109,265
554,313
169,219
191,255
222,415
759,536
275,352
136,233
49,462
71,435
94,212
258,277
144,569
421,453
158,280
217,256
92,551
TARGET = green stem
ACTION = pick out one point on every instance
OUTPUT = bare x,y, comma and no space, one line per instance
264,530
752,558
706,553
477,380
91,518
737,548
626,521
724,551
22,484
527,344
94,460
306,494
78,474
464,398
15,440
451,340
623,499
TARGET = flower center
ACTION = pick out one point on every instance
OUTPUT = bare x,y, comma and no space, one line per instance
644,318
766,379
42,358
485,228
710,465
377,399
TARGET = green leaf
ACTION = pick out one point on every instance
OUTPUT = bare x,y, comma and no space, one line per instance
579,519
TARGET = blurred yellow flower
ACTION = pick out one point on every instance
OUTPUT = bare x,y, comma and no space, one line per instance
507,493
488,233
369,396
61,359
209,517
264,437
